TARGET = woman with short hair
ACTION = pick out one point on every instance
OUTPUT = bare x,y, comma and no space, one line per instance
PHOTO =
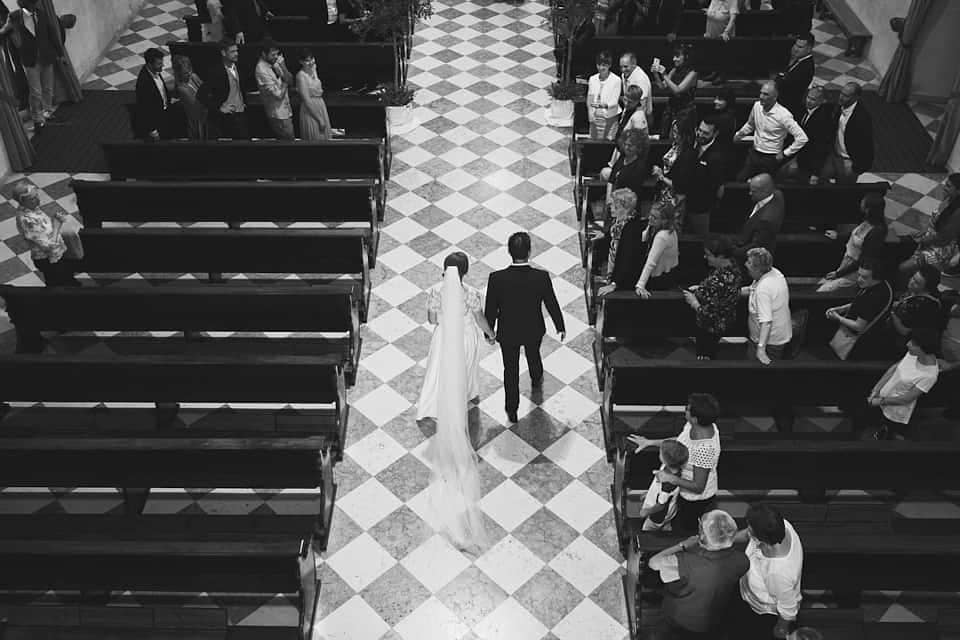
603,99
866,243
625,233
715,299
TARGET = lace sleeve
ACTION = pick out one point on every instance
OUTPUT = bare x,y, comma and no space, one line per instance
472,298
433,300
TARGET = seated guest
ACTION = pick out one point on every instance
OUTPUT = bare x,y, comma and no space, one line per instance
314,119
769,123
630,169
770,591
54,239
709,170
715,299
274,81
725,115
920,305
188,86
794,82
701,576
633,76
851,147
675,178
860,335
660,239
698,483
950,344
721,19
153,100
761,227
625,235
680,84
603,99
245,20
937,244
866,244
660,501
817,121
892,400
768,308
227,116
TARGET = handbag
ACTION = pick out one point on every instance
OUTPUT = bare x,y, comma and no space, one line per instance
844,339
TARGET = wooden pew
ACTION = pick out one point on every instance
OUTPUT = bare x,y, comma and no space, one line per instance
743,56
632,380
340,65
858,35
329,309
334,252
233,203
331,160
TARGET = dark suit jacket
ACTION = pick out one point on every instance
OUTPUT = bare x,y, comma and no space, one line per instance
631,257
513,304
151,106
761,229
241,16
793,85
709,172
44,47
217,87
821,130
858,137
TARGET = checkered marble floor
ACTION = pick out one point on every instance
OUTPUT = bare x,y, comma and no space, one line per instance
481,165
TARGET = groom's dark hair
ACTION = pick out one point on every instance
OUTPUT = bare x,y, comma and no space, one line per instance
519,246
459,260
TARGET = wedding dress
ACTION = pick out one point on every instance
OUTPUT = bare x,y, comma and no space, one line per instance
454,490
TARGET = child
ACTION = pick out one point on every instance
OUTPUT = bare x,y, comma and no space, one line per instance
660,503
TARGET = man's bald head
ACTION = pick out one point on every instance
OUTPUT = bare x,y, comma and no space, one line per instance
769,94
761,186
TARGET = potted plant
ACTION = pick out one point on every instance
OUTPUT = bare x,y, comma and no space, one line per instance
572,23
394,21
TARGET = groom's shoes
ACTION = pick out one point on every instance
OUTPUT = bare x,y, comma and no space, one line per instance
512,415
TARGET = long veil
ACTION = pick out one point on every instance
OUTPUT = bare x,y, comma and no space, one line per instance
454,479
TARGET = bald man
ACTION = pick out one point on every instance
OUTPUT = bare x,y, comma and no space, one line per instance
769,123
762,225
818,121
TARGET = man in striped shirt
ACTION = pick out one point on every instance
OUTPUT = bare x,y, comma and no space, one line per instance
769,123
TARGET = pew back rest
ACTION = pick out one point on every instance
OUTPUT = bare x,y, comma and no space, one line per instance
199,201
704,104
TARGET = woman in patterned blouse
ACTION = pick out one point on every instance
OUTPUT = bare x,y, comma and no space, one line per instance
715,299
54,241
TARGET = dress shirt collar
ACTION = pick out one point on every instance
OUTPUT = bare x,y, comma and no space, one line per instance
761,204
519,264
799,60
848,111
704,148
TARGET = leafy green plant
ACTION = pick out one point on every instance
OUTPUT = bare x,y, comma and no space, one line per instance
394,21
568,20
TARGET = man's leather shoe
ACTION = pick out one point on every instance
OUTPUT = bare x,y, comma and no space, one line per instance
512,416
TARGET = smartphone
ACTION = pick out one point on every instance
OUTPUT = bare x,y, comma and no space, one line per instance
656,63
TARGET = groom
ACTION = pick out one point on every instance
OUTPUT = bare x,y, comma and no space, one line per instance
512,308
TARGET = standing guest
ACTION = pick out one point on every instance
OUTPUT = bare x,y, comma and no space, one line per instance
768,318
725,115
660,239
866,244
715,299
245,20
937,244
770,591
681,86
603,99
708,173
818,122
213,31
633,76
892,400
37,38
632,116
920,306
698,483
761,227
861,320
794,82
333,18
188,86
314,119
721,19
701,576
663,17
54,240
153,100
851,144
630,168
625,257
675,177
227,117
274,81
769,123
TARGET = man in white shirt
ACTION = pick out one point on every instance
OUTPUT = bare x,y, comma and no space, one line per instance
770,590
768,317
769,123
851,148
632,75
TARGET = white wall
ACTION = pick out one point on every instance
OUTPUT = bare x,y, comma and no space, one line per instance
98,24
936,52
876,14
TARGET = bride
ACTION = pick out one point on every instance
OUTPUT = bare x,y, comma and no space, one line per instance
451,379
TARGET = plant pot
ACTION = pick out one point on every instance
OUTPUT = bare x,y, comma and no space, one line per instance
560,113
401,120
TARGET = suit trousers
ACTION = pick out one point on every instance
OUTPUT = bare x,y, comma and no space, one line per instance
511,369
758,163
229,125
40,84
282,128
838,169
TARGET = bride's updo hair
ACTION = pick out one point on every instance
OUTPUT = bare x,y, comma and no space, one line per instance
459,260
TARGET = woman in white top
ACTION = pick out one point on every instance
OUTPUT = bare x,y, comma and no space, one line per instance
698,482
721,19
663,255
603,99
770,590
